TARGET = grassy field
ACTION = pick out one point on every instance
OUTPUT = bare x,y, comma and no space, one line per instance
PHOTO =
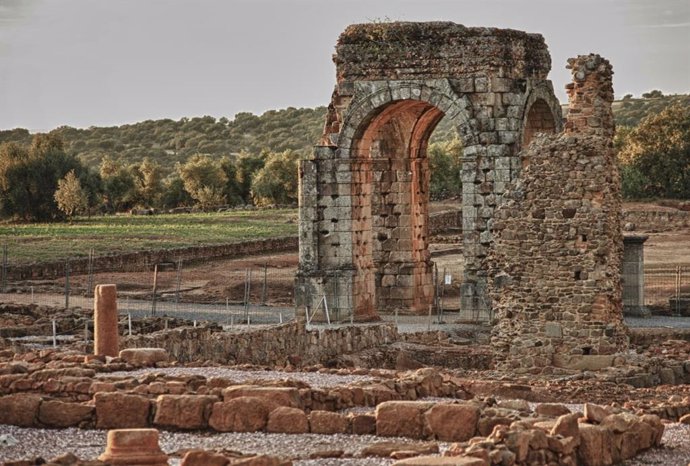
41,242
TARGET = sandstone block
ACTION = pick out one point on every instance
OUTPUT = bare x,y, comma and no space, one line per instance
144,356
595,446
363,424
287,420
60,414
19,409
456,422
619,423
281,396
121,411
595,413
442,461
242,414
567,426
184,411
386,449
401,419
325,422
551,409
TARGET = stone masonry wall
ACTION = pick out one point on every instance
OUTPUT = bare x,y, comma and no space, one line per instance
364,194
556,257
275,346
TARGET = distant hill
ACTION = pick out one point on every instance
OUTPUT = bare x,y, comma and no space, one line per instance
169,141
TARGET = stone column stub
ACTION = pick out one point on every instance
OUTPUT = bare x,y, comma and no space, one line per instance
133,447
105,321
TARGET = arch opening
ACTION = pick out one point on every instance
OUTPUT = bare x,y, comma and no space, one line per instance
390,208
539,119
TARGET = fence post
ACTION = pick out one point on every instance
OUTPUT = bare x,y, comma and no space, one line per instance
178,283
32,294
129,323
155,289
263,289
67,288
54,334
5,263
247,291
678,287
89,285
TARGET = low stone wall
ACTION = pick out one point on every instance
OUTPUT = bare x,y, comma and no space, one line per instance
656,220
277,346
646,337
136,261
447,220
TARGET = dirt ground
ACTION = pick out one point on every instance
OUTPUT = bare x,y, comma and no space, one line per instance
269,279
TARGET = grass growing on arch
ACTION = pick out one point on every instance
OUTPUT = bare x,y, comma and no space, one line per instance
48,242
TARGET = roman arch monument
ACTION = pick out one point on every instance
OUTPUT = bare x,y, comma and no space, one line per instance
364,194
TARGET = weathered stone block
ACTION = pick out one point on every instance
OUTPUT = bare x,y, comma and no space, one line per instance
453,422
183,411
121,411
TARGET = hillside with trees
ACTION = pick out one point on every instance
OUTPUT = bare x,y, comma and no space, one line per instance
207,162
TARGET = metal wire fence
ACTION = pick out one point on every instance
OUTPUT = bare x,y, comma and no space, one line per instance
251,295
667,289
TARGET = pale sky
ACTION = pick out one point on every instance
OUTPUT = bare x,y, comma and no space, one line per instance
97,63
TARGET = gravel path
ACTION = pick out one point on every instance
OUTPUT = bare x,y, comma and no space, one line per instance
314,379
88,444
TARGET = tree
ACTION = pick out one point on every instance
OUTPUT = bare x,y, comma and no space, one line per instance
276,182
655,94
174,194
29,178
204,180
119,185
655,156
232,190
149,182
70,196
247,165
445,166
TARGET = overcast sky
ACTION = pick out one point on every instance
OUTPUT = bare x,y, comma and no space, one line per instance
98,62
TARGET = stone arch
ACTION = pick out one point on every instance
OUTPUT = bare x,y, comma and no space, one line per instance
366,106
385,136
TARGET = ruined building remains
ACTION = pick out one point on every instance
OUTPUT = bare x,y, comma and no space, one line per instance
556,256
364,194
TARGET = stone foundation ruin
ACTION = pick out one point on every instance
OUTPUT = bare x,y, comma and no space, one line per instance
364,194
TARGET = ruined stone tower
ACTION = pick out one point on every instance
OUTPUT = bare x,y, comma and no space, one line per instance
364,193
555,260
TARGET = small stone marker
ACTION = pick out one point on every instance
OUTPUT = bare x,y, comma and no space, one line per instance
105,334
134,447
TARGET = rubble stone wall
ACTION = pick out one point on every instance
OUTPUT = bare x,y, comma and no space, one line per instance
364,220
279,345
555,261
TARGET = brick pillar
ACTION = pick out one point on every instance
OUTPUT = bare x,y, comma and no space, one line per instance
590,96
134,447
106,332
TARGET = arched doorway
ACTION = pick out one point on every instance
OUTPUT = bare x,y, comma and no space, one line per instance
390,208
539,119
